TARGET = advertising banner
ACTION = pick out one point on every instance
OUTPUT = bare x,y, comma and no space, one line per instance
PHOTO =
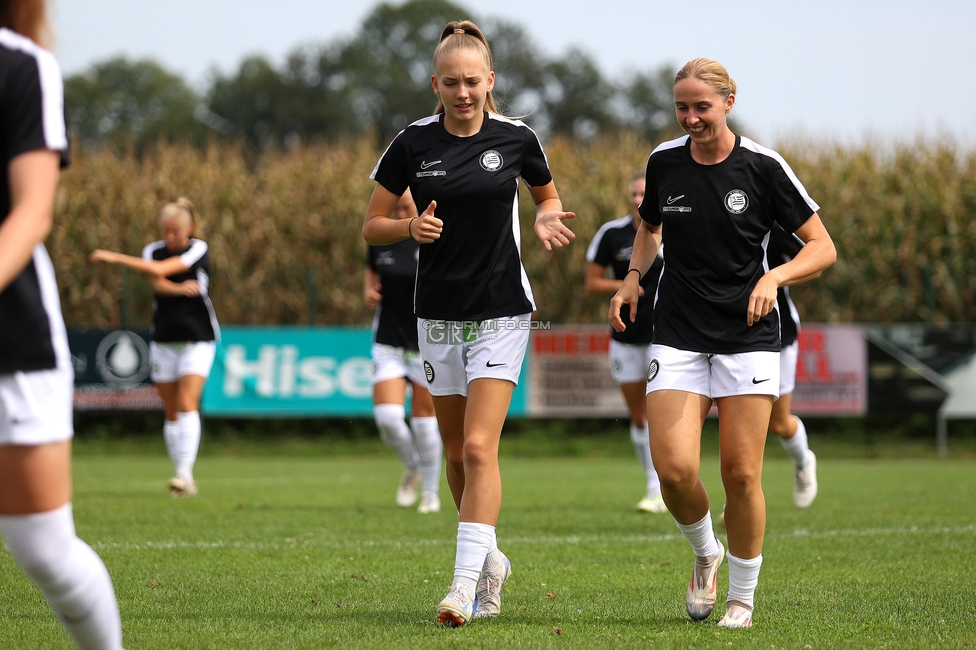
831,371
570,373
112,371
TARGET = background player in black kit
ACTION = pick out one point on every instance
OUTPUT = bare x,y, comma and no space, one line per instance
185,331
36,377
473,298
715,196
629,350
388,288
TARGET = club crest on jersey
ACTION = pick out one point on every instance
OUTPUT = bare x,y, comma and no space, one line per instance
429,371
736,201
652,369
491,161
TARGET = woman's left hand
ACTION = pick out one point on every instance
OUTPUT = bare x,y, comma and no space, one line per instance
552,231
763,298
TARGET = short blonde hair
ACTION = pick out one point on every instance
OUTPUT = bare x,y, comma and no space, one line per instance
711,72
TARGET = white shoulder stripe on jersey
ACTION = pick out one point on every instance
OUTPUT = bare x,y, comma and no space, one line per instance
52,87
598,237
425,121
197,250
746,143
671,144
520,123
148,250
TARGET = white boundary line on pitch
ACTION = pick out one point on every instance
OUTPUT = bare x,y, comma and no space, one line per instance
525,541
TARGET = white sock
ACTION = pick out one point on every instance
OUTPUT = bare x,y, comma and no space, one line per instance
171,433
430,451
797,446
701,536
474,542
642,447
743,578
188,443
69,574
392,423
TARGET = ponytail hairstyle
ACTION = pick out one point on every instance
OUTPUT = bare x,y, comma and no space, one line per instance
179,207
711,72
27,18
459,35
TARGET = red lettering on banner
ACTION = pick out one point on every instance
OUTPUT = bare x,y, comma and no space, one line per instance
813,363
570,343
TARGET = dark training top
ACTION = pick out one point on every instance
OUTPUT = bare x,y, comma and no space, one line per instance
716,223
612,246
474,271
396,265
184,319
783,248
32,333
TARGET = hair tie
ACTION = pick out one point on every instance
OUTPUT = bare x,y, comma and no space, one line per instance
458,30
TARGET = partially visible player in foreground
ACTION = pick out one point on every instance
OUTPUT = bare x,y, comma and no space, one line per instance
716,196
388,289
473,298
36,377
185,331
629,350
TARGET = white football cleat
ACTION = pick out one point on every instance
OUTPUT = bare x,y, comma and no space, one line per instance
805,487
406,494
429,502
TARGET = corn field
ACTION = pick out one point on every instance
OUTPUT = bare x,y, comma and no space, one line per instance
284,229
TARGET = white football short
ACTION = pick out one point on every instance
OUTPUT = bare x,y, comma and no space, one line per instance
713,375
170,361
628,361
35,407
392,363
787,368
457,352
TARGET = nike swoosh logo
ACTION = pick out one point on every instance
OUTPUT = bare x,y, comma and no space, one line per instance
427,165
759,381
670,200
494,365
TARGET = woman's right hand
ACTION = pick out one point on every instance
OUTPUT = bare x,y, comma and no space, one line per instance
426,228
628,294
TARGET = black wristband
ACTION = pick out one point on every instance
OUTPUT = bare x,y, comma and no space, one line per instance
409,231
639,275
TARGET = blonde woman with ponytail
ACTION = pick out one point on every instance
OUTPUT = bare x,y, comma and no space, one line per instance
36,377
472,297
185,330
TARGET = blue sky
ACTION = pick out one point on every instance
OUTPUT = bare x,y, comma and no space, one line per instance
848,71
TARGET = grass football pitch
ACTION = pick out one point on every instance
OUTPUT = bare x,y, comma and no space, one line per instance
286,551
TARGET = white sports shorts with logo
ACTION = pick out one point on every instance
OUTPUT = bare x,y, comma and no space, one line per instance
628,362
713,375
457,352
787,368
35,407
170,361
394,363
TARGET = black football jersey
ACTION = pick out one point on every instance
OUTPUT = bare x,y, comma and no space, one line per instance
395,323
783,248
716,224
474,271
183,319
612,247
32,333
